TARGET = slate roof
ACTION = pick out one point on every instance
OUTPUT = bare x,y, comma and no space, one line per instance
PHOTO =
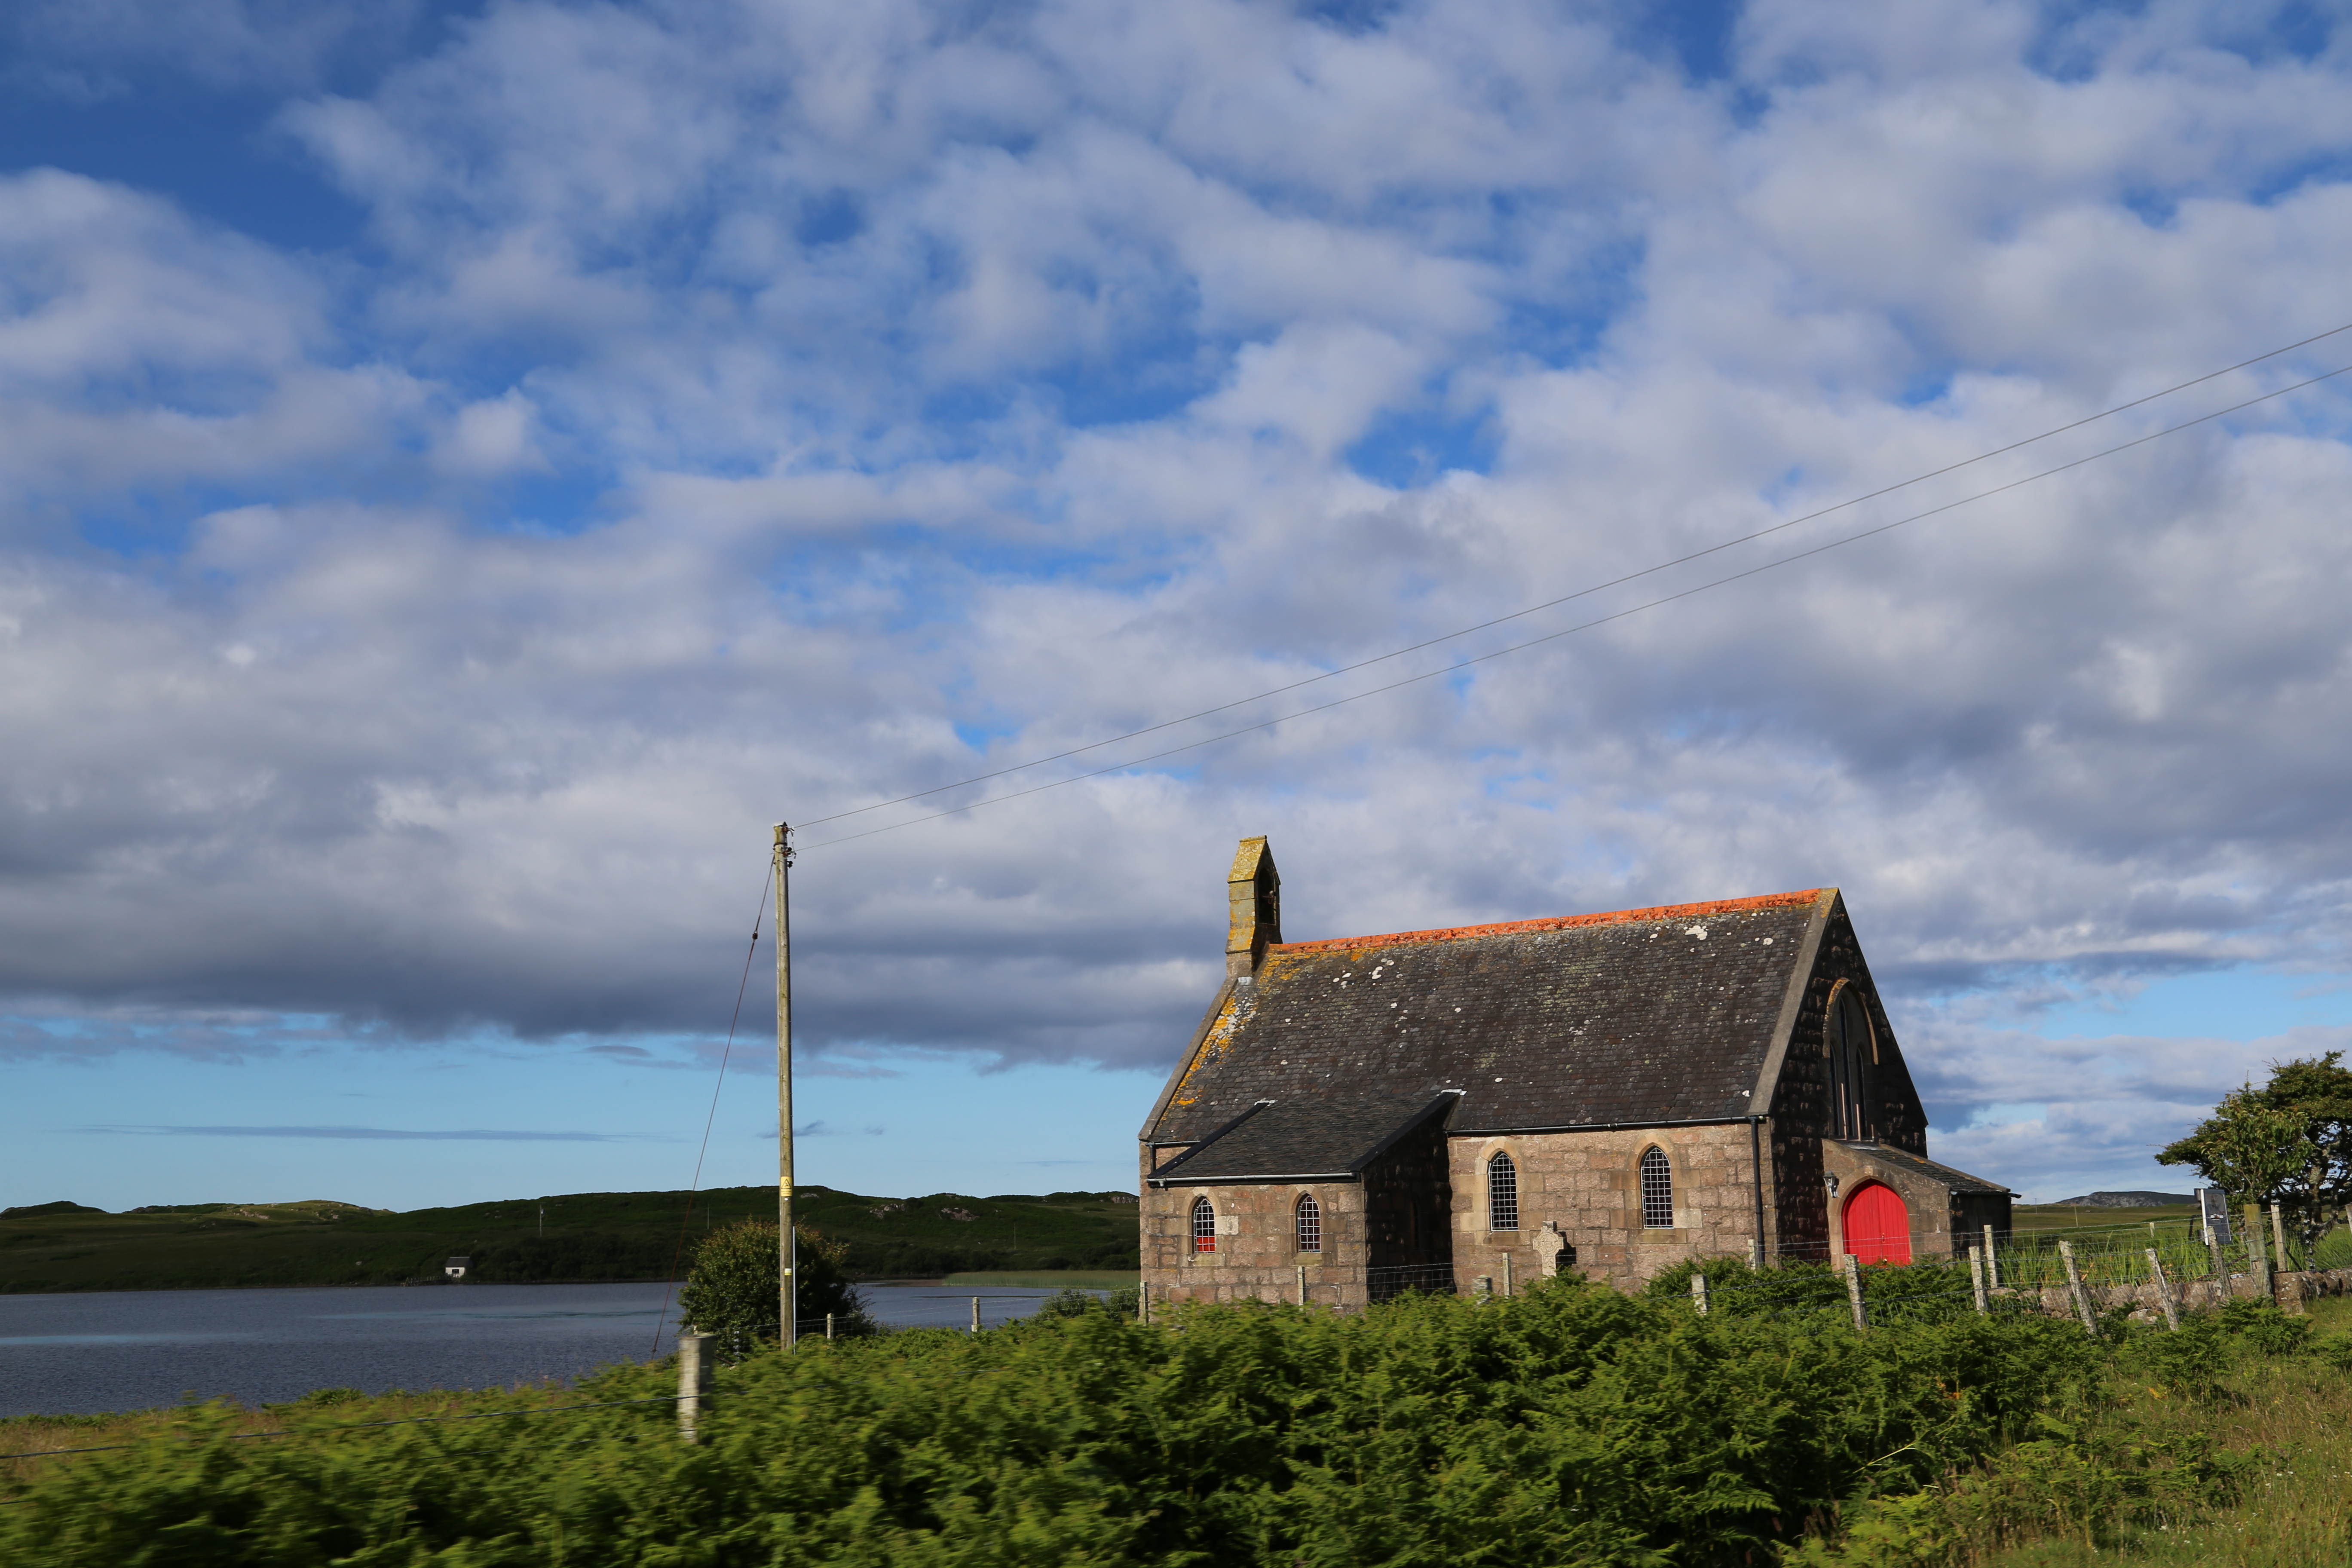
1958,1181
1291,1140
1639,1016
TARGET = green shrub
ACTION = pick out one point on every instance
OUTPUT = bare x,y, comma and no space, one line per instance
1567,1425
2265,1327
732,1290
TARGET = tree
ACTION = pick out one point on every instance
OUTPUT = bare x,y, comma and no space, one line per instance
732,1291
2289,1141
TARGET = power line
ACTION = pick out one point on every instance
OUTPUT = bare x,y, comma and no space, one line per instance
1565,598
1580,626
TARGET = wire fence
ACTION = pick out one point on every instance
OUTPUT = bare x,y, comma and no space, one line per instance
2153,1271
1386,1284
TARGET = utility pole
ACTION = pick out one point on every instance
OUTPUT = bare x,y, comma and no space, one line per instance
788,1241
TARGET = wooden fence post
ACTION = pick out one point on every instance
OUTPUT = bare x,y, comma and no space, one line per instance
1302,1284
1853,1290
975,1314
1992,1261
1698,1293
1506,1273
828,1325
1143,1302
2075,1287
2164,1290
694,1370
2257,1263
1977,1280
2278,1234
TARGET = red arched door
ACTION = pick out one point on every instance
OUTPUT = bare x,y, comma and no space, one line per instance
1877,1225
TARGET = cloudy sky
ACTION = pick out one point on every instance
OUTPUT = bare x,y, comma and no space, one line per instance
467,469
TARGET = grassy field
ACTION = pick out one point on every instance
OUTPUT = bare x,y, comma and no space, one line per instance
566,1236
2077,1216
2293,1418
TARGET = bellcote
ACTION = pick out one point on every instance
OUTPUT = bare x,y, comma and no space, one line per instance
1253,902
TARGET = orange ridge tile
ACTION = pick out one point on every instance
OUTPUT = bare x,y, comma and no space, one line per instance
1557,922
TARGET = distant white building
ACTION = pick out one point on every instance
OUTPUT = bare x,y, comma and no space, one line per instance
455,1268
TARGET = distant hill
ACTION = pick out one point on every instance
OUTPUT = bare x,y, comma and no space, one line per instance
571,1237
2126,1200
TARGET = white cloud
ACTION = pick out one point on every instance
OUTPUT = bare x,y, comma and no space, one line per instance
919,392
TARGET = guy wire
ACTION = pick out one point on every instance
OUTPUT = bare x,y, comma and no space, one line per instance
696,1185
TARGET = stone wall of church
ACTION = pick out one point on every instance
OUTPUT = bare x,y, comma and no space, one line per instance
1587,1185
1257,1255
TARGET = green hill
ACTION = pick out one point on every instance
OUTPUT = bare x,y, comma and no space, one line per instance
569,1236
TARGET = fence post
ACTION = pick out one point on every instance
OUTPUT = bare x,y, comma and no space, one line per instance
2257,1263
1143,1301
1992,1261
1977,1280
828,1325
2164,1290
1698,1293
1302,1284
1507,1274
975,1314
2075,1287
694,1368
1756,1254
1853,1290
2278,1234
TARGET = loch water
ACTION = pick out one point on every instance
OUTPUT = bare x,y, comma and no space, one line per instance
86,1351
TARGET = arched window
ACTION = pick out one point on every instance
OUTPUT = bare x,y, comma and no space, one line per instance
1502,1192
1310,1222
1657,1190
1205,1226
1850,1047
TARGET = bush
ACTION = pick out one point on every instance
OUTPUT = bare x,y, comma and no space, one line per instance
2265,1327
1567,1425
733,1292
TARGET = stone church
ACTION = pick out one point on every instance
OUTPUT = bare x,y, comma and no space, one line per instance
1485,1105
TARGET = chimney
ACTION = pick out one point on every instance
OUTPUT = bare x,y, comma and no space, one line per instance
1254,901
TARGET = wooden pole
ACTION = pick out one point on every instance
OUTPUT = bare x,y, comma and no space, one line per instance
1698,1294
2164,1290
2075,1287
1976,1279
694,1368
2257,1263
1302,1284
1507,1274
787,1239
1992,1262
1853,1290
975,1314
2278,1234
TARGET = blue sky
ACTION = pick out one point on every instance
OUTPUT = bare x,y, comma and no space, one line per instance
466,470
